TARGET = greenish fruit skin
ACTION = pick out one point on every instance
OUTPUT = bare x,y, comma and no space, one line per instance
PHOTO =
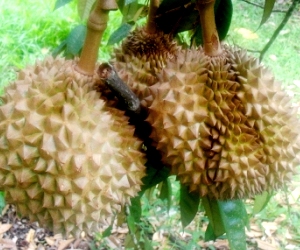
66,160
223,124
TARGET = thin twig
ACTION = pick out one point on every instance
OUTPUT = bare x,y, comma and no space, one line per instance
262,7
279,28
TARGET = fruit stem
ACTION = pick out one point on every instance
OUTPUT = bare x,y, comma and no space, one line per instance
151,24
96,25
211,42
108,74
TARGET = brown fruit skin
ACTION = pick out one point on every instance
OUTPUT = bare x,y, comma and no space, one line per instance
223,125
67,161
141,57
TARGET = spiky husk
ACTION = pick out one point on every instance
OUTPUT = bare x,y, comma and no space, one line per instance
141,57
66,160
223,125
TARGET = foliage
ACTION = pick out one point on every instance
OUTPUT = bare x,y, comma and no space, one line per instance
189,203
2,201
245,32
27,33
261,201
269,5
73,44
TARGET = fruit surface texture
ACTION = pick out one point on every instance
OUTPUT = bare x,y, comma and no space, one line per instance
66,160
223,124
141,56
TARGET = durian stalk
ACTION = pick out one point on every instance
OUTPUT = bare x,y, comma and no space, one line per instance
211,42
96,25
111,78
151,24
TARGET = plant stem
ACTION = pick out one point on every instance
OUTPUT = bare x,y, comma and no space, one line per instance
108,74
211,42
151,24
96,25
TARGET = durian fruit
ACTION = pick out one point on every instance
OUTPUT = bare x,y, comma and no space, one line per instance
223,124
66,160
143,54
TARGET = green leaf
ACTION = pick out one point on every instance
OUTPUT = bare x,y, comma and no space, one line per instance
132,11
107,232
135,209
188,21
131,223
213,213
228,217
268,7
119,34
2,201
233,218
154,176
189,204
148,194
209,233
166,192
223,15
197,36
75,40
138,13
129,242
126,2
261,202
84,8
176,16
147,243
60,3
60,48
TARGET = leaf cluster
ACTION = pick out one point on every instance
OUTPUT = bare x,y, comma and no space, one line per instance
172,17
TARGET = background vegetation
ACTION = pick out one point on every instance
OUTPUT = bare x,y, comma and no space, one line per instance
31,30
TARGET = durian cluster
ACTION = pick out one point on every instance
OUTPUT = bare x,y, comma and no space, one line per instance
223,124
70,160
66,160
